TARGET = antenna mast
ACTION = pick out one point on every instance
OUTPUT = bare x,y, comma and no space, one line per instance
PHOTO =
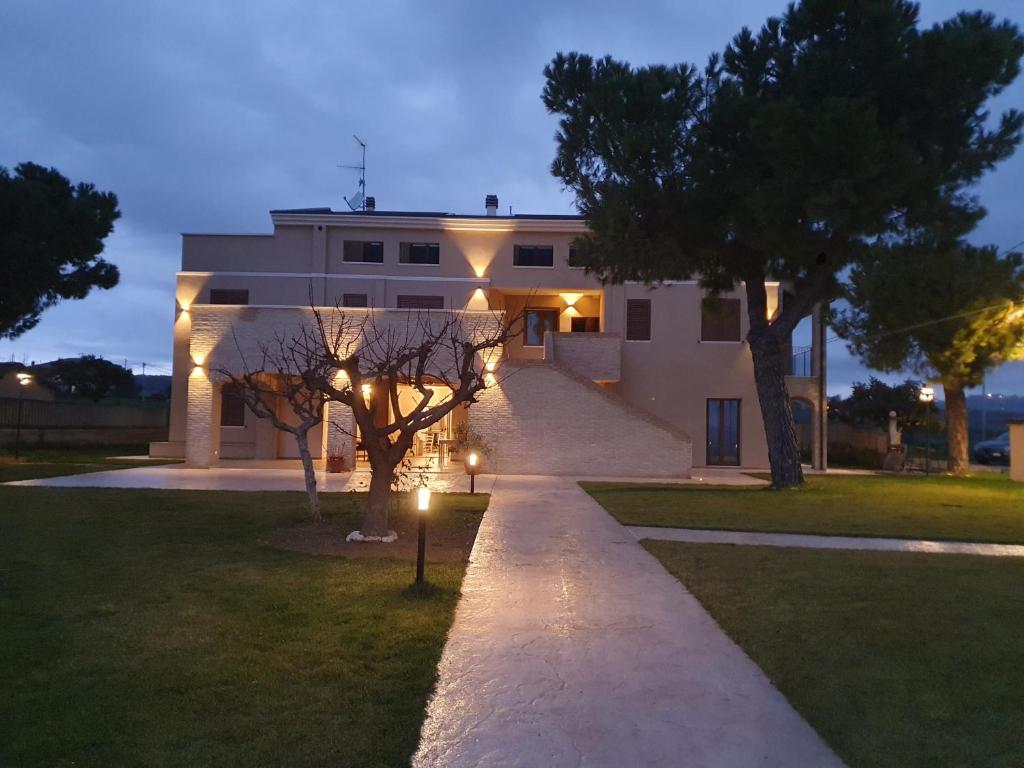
358,201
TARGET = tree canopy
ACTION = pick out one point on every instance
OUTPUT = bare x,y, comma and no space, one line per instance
88,376
963,316
835,129
51,238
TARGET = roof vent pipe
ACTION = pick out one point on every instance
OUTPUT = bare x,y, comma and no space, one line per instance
371,203
491,203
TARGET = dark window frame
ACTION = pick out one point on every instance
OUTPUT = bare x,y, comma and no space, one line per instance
405,254
717,323
526,324
721,432
232,406
519,250
637,334
230,296
419,301
363,260
355,300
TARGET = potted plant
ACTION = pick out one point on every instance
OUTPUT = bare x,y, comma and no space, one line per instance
336,463
468,442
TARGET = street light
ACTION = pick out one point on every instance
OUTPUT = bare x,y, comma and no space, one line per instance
925,397
472,467
422,507
24,379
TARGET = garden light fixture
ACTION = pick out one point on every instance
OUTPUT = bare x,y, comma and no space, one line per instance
422,507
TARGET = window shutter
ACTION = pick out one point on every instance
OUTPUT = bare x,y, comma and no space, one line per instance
720,321
354,300
421,302
229,296
638,320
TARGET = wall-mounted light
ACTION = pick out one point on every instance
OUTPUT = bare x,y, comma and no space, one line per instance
490,366
571,298
340,377
489,380
367,390
24,379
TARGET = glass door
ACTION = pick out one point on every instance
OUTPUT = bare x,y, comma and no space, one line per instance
723,432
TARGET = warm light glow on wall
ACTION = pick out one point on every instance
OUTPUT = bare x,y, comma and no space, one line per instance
571,298
198,360
340,376
572,312
478,300
367,390
489,380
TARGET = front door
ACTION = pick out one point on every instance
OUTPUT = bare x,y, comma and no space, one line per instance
723,432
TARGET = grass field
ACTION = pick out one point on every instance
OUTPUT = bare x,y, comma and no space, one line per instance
898,660
54,462
984,508
155,628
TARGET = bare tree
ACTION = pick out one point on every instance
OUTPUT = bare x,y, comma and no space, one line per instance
360,360
288,372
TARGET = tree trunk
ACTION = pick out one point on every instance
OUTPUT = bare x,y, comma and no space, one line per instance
375,521
956,427
310,473
770,378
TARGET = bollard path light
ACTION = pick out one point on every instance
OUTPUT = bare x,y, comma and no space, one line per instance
422,508
472,466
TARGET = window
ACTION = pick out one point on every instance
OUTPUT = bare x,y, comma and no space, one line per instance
229,296
574,259
421,302
232,406
533,256
585,325
538,322
354,300
723,432
638,320
720,320
365,252
419,253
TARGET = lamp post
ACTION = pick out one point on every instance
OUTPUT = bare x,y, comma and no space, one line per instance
472,465
926,396
24,379
422,507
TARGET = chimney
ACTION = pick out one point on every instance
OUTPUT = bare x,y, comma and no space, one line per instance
491,203
371,203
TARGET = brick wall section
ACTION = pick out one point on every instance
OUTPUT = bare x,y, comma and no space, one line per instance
595,356
542,418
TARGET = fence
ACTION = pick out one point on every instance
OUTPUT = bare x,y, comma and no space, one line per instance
69,423
68,414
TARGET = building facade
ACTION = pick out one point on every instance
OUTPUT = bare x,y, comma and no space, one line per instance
608,379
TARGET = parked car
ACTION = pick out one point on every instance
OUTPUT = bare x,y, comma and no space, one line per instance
994,451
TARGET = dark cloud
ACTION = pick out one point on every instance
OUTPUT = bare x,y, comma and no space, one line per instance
203,116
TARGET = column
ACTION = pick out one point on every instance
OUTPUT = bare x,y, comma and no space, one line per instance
819,357
202,422
339,428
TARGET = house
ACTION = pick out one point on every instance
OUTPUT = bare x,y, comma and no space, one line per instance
622,380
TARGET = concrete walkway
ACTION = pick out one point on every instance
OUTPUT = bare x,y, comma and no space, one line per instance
695,536
572,646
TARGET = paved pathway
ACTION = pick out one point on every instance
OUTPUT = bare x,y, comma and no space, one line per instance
695,536
573,646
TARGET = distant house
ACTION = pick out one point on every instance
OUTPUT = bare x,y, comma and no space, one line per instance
11,386
608,379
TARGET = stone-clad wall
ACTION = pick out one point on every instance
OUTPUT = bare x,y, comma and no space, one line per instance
595,356
542,418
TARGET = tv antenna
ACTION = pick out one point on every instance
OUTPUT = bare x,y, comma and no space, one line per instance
358,201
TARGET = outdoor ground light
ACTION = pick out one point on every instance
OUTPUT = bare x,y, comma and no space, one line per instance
24,379
925,396
422,508
472,467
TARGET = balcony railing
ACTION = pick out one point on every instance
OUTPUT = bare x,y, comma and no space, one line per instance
801,362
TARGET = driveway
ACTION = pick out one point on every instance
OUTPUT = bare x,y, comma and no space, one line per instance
573,646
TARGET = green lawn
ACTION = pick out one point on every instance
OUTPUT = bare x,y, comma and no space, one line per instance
897,659
54,462
154,628
983,508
